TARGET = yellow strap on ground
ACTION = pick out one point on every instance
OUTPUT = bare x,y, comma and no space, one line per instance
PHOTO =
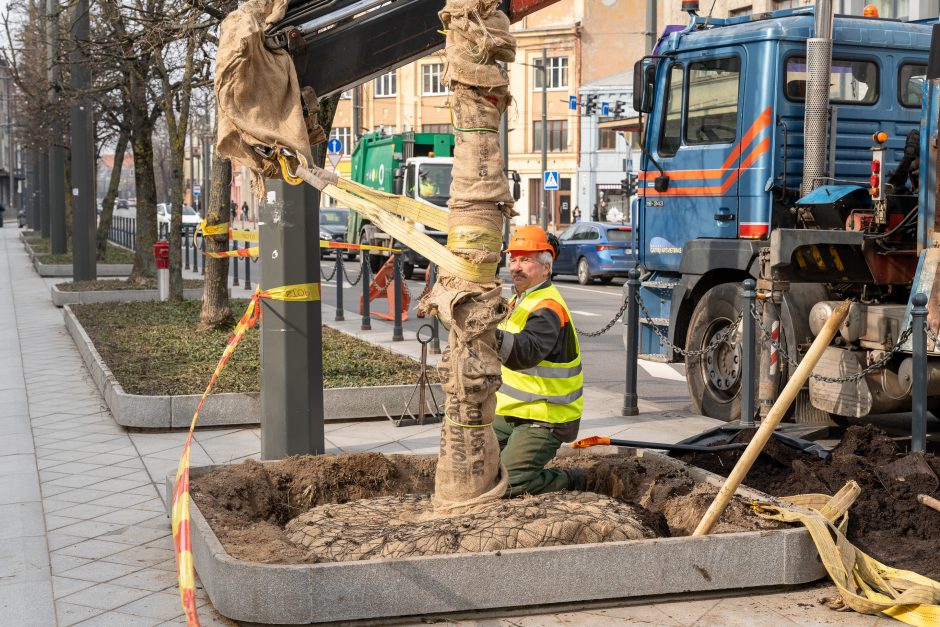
865,584
428,215
404,232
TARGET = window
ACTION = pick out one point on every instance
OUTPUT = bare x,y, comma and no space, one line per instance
911,79
619,235
672,119
557,73
787,4
569,233
437,128
346,95
606,139
853,81
343,134
431,84
557,136
588,233
386,85
712,109
892,9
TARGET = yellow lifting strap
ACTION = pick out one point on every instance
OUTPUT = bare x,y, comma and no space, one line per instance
431,216
400,230
865,584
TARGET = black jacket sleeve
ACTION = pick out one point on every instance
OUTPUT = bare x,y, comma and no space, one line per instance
536,341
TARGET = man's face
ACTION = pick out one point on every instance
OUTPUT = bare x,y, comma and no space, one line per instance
526,271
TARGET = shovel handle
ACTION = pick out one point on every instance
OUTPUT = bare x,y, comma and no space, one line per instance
929,501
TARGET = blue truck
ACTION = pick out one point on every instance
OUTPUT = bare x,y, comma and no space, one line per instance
786,147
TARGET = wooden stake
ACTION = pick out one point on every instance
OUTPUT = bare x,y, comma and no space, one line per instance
767,426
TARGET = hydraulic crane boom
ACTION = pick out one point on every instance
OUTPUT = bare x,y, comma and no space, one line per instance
337,44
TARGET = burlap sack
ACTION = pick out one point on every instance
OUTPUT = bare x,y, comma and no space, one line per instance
395,527
257,91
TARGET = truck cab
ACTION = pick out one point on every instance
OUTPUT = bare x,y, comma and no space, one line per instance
723,159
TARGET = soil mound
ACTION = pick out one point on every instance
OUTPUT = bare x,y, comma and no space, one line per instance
250,506
886,521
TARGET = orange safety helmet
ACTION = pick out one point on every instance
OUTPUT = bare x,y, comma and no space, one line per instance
530,239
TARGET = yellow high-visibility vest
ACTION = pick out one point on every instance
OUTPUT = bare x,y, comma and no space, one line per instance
549,392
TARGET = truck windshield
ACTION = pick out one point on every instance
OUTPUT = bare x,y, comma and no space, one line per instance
434,182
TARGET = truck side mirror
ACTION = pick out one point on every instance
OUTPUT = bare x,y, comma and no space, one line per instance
644,83
516,187
398,181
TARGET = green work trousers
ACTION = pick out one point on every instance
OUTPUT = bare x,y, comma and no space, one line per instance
524,450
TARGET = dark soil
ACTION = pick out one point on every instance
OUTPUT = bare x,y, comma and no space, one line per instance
42,246
152,348
248,505
885,522
117,285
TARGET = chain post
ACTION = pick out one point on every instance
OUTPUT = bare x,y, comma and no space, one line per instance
435,347
247,268
338,273
397,335
632,342
234,244
366,316
202,250
186,242
919,373
748,357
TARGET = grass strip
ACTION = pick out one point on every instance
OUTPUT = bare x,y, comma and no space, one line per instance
118,285
153,349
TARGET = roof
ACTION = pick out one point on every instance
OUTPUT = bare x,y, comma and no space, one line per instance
621,80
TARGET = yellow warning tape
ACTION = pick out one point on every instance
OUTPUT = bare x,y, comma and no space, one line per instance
243,236
238,252
181,522
328,244
865,584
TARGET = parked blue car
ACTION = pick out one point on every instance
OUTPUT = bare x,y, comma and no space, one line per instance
595,250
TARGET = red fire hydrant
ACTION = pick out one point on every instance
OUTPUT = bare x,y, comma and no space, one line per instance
161,254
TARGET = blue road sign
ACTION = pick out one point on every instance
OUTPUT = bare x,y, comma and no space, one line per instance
550,180
605,108
197,189
334,146
573,103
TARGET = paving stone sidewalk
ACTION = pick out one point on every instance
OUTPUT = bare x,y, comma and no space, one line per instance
86,539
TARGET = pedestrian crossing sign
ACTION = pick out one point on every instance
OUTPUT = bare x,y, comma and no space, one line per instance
550,180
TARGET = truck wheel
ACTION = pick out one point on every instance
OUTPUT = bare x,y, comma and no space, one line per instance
584,273
714,379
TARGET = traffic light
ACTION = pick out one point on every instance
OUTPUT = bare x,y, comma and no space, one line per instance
629,185
590,105
618,109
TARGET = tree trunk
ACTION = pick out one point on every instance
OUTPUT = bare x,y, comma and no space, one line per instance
177,157
107,204
216,311
146,236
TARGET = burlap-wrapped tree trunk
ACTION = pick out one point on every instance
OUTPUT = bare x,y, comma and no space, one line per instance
469,471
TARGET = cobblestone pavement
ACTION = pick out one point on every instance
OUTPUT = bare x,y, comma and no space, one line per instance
86,539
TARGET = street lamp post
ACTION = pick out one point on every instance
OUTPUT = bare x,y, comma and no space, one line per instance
543,210
83,155
56,151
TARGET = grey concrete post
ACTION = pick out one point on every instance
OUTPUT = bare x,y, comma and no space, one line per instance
366,281
234,246
399,286
84,267
291,339
57,238
43,190
919,373
339,285
748,353
632,343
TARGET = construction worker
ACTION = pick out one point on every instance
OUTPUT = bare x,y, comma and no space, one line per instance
540,402
427,187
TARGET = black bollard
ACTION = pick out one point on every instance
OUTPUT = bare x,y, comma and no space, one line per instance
202,250
748,353
435,346
366,316
632,341
234,264
398,286
247,268
339,285
919,374
185,236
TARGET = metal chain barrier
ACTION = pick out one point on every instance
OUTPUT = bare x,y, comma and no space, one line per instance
875,365
607,327
323,274
718,338
346,274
